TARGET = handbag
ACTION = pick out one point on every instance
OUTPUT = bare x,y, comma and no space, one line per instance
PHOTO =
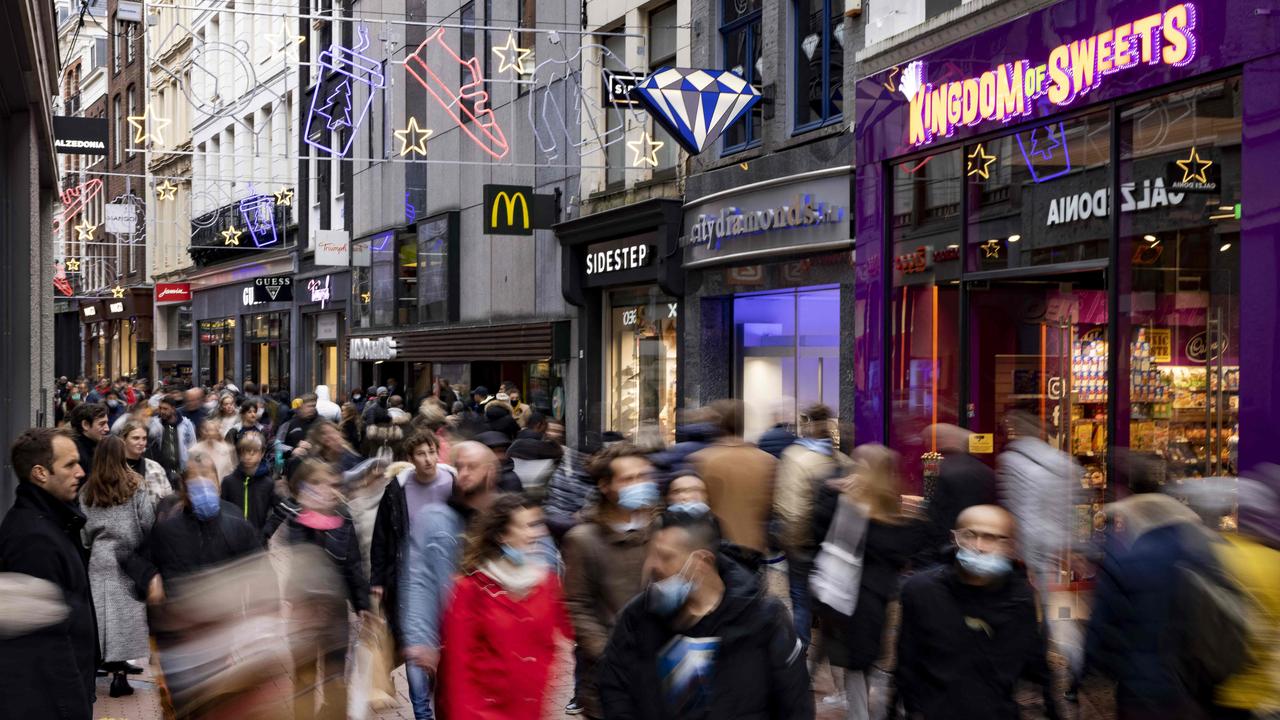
837,568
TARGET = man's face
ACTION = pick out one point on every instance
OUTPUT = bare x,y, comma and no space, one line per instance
476,467
63,479
194,398
97,429
250,458
627,471
307,410
167,413
687,489
424,458
669,554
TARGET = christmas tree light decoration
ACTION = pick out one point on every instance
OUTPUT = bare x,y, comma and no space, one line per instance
259,215
231,236
84,230
117,291
644,151
147,127
166,190
418,143
511,56
74,199
696,106
284,196
333,109
467,103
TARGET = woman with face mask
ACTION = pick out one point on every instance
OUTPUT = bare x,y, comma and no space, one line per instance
499,628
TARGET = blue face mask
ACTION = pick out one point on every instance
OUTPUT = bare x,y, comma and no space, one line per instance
514,556
987,566
696,509
641,495
204,500
665,597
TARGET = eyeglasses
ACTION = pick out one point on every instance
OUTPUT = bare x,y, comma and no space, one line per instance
972,538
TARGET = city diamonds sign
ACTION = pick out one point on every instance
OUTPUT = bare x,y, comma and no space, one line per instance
1071,70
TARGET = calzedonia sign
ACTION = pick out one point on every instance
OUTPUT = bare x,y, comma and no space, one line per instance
1070,71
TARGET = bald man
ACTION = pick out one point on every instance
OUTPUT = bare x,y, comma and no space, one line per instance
436,539
970,629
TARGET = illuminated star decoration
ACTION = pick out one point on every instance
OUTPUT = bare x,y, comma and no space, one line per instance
84,230
284,196
1198,173
117,291
364,297
418,145
646,156
979,163
231,236
991,248
166,190
147,127
73,264
507,52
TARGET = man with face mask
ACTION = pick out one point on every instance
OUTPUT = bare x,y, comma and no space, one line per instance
704,639
970,628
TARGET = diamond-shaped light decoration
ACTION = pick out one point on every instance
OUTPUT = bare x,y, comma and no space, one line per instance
696,105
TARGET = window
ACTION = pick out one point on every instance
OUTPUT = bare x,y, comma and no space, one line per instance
183,317
467,50
527,17
99,56
615,119
128,29
406,280
117,122
131,97
433,269
819,62
662,52
643,348
216,351
267,349
117,47
362,283
740,31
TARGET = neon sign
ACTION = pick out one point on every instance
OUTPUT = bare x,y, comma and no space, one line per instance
335,110
259,214
467,104
74,199
1072,69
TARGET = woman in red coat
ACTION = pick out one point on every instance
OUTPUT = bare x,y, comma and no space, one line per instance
498,631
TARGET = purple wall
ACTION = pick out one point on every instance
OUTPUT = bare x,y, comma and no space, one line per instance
1228,33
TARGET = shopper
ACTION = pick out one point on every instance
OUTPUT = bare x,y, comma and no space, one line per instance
739,478
89,423
49,672
155,480
250,411
294,432
963,481
499,627
119,514
778,438
225,413
570,488
251,489
351,424
169,438
520,411
216,448
704,640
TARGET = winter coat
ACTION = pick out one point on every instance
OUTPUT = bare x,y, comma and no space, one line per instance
776,440
294,432
342,545
1128,637
112,533
603,572
963,648
498,418
1036,482
739,479
253,495
757,669
155,439
87,448
387,548
853,642
154,479
805,468
180,544
534,460
326,407
689,440
383,435
569,490
1256,568
498,649
49,673
963,481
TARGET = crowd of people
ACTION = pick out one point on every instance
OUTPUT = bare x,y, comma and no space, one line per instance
710,578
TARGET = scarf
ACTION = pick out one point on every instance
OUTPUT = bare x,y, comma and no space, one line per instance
517,580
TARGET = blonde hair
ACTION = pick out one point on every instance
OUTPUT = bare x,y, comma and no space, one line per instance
879,487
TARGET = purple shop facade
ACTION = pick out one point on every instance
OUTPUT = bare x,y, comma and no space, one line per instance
1224,36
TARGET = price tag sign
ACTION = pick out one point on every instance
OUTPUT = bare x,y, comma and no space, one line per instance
982,443
1161,344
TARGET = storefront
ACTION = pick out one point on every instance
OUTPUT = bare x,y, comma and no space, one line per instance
173,333
321,296
769,275
621,268
117,334
1057,221
242,337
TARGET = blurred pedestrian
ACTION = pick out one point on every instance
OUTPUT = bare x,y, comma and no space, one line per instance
169,437
216,448
250,411
519,411
326,442
704,640
325,406
534,457
739,478
351,424
444,391
499,627
251,488
970,628
226,413
193,406
963,481
89,423
604,556
497,417
49,672
292,433
778,438
688,493
570,488
382,434
498,442
154,478
119,514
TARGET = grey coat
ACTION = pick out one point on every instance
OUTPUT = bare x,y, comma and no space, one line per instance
112,533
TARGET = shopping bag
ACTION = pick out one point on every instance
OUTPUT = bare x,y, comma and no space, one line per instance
371,687
837,568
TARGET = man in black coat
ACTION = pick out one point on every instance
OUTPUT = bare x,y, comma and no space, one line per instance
703,640
90,424
49,673
970,628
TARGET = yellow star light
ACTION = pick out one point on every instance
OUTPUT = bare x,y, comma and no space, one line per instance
73,264
991,248
1198,173
147,126
420,134
507,52
166,190
646,156
117,291
979,163
364,298
230,236
284,196
84,230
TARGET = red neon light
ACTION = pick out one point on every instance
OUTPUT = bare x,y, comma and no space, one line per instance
74,199
478,116
60,281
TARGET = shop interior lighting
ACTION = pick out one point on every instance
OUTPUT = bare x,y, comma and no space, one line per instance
1151,239
953,246
1225,247
1014,238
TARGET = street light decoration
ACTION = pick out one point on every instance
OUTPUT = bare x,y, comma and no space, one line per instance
696,105
333,108
467,103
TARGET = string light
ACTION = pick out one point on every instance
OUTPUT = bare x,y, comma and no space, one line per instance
147,127
418,144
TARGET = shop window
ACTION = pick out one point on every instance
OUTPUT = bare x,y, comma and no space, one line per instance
183,316
433,270
1040,196
1180,320
613,59
819,62
788,354
362,283
266,350
643,346
384,271
740,33
663,40
406,288
216,349
527,17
